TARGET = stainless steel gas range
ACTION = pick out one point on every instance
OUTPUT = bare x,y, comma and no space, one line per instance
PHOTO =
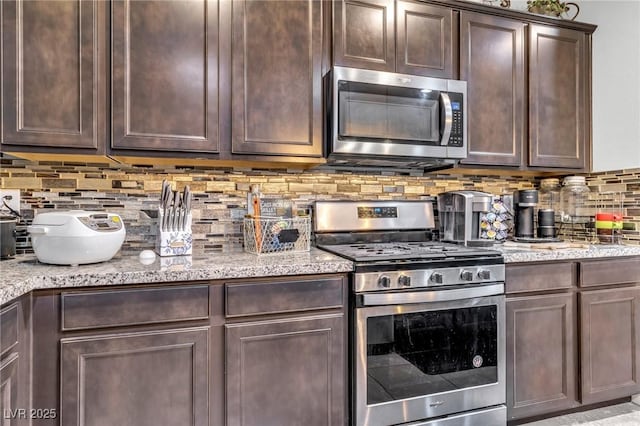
427,334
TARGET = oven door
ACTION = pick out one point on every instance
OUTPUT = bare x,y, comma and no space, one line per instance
425,354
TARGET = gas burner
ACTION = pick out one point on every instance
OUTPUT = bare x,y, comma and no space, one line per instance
368,252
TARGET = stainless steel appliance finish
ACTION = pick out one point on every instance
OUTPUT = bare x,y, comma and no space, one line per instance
381,118
428,279
340,216
490,416
429,393
428,325
459,214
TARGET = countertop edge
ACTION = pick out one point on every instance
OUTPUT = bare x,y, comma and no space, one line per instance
593,252
52,277
23,279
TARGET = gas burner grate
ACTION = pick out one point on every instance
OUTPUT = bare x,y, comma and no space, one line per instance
370,252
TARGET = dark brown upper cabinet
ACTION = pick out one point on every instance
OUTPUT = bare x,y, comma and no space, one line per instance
529,111
165,76
403,36
277,52
559,98
426,36
364,34
53,76
492,61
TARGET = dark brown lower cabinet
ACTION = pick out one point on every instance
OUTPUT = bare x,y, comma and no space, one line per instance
10,411
286,371
136,379
609,343
573,334
541,354
15,369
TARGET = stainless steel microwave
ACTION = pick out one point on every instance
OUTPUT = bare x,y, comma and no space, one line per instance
381,118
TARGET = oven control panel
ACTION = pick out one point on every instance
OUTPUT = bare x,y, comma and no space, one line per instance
427,278
377,212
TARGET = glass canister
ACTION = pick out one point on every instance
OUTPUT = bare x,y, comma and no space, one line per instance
574,197
549,196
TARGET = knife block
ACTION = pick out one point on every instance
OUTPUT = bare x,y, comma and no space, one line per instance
174,242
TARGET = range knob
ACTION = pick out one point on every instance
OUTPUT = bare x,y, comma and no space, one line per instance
484,274
404,280
466,275
384,281
436,278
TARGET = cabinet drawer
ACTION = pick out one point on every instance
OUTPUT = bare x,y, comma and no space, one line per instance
8,328
256,298
539,277
610,271
110,308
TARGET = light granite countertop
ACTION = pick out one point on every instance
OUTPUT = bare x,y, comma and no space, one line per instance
24,273
518,255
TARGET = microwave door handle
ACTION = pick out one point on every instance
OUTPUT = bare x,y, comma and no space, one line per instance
448,118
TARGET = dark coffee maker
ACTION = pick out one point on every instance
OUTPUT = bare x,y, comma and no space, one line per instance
524,203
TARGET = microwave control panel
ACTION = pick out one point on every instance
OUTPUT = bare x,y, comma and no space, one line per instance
457,124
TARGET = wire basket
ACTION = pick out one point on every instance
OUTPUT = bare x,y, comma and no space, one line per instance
271,235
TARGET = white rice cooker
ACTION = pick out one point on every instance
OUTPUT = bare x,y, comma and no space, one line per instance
76,237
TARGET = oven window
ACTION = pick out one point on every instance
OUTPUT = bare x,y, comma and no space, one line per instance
371,112
424,353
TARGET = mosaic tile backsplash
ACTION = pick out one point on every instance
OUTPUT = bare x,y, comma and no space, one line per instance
220,194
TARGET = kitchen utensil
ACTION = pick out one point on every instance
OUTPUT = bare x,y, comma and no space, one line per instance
256,218
186,207
7,237
174,211
76,237
165,199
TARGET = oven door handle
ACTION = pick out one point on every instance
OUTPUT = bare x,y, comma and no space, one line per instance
385,299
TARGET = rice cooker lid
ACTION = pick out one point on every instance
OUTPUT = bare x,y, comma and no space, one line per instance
63,217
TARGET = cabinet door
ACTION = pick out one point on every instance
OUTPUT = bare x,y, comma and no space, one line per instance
53,76
11,413
425,38
364,34
276,80
559,133
541,355
165,75
492,62
15,366
136,379
610,330
286,372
